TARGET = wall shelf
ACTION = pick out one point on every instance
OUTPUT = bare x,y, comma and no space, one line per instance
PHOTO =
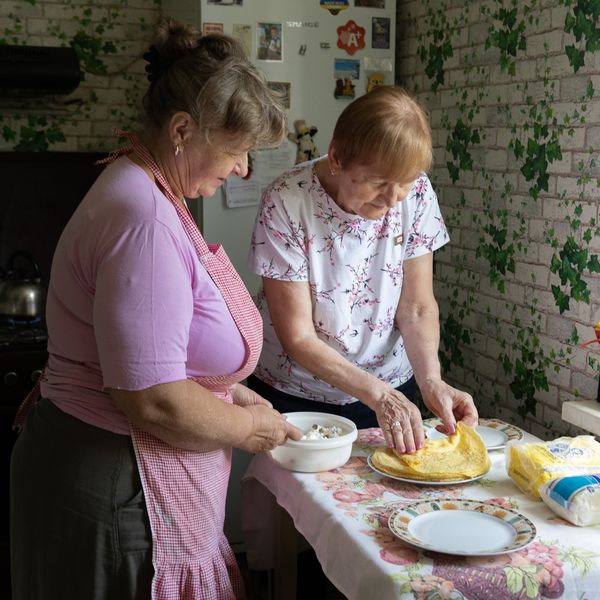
584,414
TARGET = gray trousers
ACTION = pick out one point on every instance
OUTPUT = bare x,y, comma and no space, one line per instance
79,525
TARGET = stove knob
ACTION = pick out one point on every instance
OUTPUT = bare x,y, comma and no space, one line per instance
35,375
11,378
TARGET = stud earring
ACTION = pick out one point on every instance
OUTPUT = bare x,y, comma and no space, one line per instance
333,172
177,149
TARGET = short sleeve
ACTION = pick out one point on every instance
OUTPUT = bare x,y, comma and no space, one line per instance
279,242
143,308
426,228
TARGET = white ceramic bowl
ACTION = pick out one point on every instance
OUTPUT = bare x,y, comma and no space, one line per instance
311,456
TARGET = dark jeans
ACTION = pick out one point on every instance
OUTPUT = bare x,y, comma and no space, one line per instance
357,412
79,525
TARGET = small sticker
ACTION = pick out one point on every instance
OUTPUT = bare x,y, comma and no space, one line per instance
351,37
370,3
314,24
208,28
334,6
243,33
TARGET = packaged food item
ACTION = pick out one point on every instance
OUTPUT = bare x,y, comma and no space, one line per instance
575,498
530,465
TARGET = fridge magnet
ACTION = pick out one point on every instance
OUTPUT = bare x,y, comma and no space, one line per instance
282,90
243,33
226,2
370,3
383,65
345,70
302,136
375,80
344,88
380,32
212,28
334,6
268,41
351,37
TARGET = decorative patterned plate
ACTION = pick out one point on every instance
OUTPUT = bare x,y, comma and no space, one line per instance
420,481
495,433
462,527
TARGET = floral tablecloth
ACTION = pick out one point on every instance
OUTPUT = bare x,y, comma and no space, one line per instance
343,515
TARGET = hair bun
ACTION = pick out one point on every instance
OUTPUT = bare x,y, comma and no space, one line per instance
157,63
172,40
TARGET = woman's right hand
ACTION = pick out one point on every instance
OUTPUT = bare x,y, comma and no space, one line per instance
270,429
400,421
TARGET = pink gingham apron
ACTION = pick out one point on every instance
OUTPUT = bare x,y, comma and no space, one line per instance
185,491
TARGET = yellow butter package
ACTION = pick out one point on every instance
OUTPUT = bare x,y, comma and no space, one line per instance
532,464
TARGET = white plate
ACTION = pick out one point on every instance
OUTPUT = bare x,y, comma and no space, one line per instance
421,481
494,433
462,527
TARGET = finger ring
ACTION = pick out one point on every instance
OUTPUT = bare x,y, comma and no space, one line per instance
395,425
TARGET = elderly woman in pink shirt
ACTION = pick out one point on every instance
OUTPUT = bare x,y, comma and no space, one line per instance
119,476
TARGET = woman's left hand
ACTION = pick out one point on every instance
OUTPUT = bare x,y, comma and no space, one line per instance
449,404
243,396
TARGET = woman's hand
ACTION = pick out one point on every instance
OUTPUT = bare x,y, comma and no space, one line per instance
400,421
270,429
449,404
244,396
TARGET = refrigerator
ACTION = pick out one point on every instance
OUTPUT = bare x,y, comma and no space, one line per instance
318,55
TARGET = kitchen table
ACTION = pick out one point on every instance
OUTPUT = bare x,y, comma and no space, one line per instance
343,515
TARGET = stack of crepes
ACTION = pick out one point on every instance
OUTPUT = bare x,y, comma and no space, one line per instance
460,456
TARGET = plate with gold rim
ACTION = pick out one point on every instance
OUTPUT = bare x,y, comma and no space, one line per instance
462,527
495,433
421,481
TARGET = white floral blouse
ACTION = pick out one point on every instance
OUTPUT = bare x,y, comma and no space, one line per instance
354,267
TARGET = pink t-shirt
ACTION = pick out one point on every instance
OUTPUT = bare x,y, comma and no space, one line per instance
129,304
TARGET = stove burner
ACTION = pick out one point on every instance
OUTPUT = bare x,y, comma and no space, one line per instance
20,333
22,321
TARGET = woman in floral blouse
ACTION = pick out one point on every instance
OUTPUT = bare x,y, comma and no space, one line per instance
344,245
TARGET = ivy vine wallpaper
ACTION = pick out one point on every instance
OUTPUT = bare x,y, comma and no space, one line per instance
109,38
513,92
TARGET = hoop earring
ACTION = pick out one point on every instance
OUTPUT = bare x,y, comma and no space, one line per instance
177,149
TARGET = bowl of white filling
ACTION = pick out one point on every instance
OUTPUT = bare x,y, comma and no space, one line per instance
326,443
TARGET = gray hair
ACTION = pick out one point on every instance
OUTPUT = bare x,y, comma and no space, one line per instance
210,78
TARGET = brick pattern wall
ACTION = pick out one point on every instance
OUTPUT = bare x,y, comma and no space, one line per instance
102,101
482,373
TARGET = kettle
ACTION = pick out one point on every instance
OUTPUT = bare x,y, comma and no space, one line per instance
22,293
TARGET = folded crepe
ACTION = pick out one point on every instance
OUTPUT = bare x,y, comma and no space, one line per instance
462,455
